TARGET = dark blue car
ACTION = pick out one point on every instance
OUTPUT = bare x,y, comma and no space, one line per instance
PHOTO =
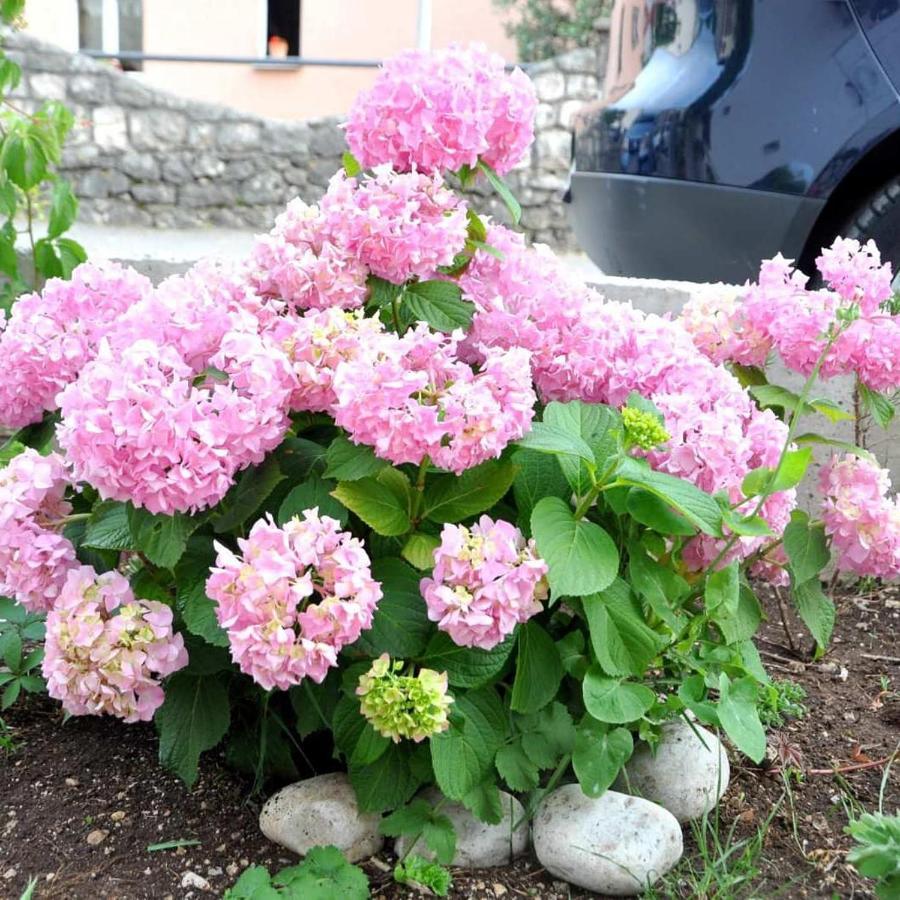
730,130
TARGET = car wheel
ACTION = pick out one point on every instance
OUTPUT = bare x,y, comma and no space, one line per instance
878,219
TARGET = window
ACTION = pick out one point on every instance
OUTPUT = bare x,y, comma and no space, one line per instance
283,28
112,25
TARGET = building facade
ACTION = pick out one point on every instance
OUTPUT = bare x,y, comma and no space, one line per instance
261,30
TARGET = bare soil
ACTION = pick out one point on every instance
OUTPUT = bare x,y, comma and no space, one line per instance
81,802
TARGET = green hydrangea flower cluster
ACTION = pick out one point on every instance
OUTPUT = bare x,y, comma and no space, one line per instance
643,429
404,706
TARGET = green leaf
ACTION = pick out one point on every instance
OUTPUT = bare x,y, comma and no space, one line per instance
599,427
790,473
503,191
692,692
315,492
440,304
622,640
546,438
816,609
466,667
516,768
538,670
741,623
240,504
70,255
722,589
356,738
46,259
738,715
382,293
463,754
615,701
655,513
452,498
581,556
546,735
24,158
107,528
351,165
384,784
376,503
419,550
196,608
484,802
194,718
878,405
10,73
660,587
806,547
400,626
812,437
769,395
537,476
63,208
599,754
695,505
347,461
323,875
9,260
162,539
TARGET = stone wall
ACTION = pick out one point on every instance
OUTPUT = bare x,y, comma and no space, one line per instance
141,156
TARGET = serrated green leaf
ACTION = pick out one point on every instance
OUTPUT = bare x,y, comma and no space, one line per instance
738,715
196,608
806,547
314,493
613,700
516,769
242,502
193,718
503,191
452,498
347,461
816,609
538,670
538,475
376,503
63,208
108,528
386,783
467,667
419,550
162,539
440,304
599,754
581,556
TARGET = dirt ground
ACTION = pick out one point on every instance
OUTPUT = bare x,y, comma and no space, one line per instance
82,803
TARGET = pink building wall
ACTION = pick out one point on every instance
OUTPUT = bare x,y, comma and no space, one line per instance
348,29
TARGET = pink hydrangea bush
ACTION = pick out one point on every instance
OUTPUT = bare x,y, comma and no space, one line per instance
397,476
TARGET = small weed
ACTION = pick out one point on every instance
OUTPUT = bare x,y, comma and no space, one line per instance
8,744
724,866
781,700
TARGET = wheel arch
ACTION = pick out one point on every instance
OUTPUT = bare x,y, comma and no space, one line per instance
869,173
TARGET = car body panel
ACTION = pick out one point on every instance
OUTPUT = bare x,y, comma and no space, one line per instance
776,96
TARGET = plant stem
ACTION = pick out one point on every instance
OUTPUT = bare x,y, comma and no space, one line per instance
30,213
419,496
558,773
395,314
784,622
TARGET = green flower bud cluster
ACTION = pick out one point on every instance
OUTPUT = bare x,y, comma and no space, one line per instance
404,706
643,429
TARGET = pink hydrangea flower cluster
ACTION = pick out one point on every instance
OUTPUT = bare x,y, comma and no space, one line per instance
106,650
294,597
301,262
316,344
50,336
34,557
486,580
584,348
440,110
137,425
398,226
861,518
417,399
779,313
856,273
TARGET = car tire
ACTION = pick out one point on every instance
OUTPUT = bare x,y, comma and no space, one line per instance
878,219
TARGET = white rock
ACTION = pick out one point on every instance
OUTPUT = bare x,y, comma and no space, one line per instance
195,881
685,777
478,845
615,844
321,811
